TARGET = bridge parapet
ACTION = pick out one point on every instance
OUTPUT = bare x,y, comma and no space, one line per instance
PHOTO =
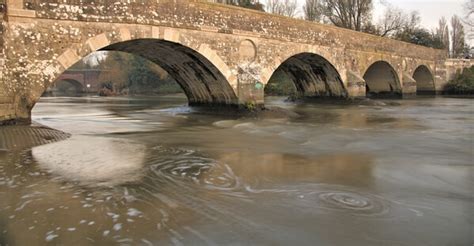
202,15
456,66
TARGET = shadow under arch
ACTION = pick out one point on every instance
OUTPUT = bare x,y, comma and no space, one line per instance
312,76
424,81
381,80
200,79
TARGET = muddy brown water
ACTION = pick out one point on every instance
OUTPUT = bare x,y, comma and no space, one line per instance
152,171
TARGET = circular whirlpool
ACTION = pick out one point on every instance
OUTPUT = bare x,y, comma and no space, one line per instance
342,200
183,165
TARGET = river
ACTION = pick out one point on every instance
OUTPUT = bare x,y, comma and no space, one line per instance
152,171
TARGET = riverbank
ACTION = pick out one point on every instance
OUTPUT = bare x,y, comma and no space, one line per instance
17,137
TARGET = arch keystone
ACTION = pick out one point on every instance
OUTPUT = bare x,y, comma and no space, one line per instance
155,32
125,34
171,35
68,58
98,42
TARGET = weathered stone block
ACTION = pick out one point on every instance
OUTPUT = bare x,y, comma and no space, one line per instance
21,13
125,34
68,58
171,35
97,42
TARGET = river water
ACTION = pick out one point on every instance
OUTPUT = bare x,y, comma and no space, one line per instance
152,171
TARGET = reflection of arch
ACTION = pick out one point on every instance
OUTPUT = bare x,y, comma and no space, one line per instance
382,80
78,86
65,86
424,80
312,75
202,82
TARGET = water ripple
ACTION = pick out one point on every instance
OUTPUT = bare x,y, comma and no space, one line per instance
182,165
353,202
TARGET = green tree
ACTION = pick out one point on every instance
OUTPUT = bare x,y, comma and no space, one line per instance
420,36
126,73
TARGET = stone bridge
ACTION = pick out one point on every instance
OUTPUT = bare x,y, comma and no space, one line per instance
83,80
219,54
74,79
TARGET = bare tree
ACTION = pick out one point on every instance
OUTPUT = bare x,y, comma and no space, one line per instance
469,18
290,8
274,7
413,22
457,37
351,14
393,21
442,33
312,10
282,7
470,12
409,26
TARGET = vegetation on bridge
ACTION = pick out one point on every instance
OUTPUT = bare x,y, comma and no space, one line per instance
462,84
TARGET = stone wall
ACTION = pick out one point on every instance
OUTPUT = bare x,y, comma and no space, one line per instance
201,15
7,110
456,66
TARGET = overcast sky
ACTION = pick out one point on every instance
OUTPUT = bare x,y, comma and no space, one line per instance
430,10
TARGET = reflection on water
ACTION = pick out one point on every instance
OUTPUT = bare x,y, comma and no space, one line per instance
154,172
94,161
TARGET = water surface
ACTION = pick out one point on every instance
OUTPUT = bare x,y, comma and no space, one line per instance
152,171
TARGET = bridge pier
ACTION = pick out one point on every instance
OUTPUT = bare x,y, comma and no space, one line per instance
355,85
250,88
409,86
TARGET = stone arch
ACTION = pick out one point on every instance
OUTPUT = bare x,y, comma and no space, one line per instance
78,86
312,75
424,80
382,80
201,81
203,75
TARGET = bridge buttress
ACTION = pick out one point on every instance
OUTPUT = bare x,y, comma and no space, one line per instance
409,85
355,84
